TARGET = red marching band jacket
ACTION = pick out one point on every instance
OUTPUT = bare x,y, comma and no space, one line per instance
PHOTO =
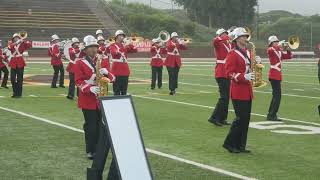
103,49
173,54
3,59
85,77
222,47
157,54
276,55
55,54
237,65
119,55
17,60
74,53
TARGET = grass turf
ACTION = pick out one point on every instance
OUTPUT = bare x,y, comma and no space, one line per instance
169,127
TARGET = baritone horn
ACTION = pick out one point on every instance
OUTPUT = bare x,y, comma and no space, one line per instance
23,34
164,36
292,43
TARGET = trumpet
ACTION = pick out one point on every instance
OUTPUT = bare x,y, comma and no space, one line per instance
23,34
111,40
292,43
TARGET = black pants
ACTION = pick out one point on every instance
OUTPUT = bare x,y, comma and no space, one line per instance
276,98
237,137
173,77
71,85
58,69
16,76
120,86
91,127
4,69
220,113
99,160
156,75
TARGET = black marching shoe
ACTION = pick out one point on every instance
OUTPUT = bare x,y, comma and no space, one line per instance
90,155
245,150
172,93
6,87
225,123
231,149
152,88
215,122
275,118
54,87
62,86
68,97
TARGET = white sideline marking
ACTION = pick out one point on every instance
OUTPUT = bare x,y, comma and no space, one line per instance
263,92
211,107
298,89
203,166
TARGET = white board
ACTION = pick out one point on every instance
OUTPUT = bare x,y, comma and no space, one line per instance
127,143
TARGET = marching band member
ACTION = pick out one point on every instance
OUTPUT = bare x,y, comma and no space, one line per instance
56,62
222,47
120,68
4,69
99,33
276,55
85,74
85,77
238,69
157,53
74,53
103,48
173,60
17,63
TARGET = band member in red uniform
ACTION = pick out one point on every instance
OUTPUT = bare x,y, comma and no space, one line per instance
222,47
74,53
157,53
17,63
120,68
85,77
3,68
238,69
276,55
56,62
85,74
99,33
173,60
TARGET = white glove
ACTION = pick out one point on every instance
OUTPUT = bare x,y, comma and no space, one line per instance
95,90
250,76
181,41
104,71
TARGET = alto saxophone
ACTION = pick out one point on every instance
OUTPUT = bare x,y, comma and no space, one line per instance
101,81
255,67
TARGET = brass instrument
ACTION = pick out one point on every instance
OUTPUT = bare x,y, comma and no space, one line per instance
134,38
23,34
186,40
292,43
249,32
164,36
111,40
256,67
101,81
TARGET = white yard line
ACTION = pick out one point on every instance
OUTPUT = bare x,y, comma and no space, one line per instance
211,107
170,156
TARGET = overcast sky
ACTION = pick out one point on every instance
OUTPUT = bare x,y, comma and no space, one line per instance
305,7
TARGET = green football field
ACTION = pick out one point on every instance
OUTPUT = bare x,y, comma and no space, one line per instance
33,147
